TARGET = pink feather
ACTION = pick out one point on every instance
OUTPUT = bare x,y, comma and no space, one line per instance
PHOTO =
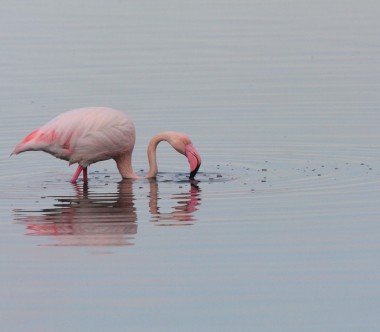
92,134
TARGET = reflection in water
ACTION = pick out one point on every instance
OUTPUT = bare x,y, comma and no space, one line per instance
186,205
103,219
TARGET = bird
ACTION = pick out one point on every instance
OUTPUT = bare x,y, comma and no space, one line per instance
91,134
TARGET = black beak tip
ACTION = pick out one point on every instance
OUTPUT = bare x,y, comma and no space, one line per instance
194,172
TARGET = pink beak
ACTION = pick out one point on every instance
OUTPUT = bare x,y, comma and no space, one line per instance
194,159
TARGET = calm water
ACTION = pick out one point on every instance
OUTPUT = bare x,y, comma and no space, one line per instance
281,232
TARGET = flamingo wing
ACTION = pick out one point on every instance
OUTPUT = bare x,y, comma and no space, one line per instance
104,142
83,136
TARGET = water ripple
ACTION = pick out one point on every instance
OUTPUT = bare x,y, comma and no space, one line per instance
312,180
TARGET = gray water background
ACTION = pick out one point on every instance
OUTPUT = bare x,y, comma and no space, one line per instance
281,233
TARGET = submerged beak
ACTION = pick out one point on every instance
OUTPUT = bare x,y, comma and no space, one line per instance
194,159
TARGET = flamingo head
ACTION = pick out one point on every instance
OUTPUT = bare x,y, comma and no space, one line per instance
194,159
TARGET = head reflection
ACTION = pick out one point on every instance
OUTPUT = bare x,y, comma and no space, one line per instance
181,213
106,219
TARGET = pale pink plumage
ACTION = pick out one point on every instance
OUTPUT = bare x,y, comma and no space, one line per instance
88,135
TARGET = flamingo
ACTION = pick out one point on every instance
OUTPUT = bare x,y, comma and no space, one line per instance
91,134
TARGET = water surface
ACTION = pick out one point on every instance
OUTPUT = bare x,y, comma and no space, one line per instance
281,229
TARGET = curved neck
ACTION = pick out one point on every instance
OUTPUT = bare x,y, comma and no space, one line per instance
178,142
152,159
175,139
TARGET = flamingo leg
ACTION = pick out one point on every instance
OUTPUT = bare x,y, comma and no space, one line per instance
76,174
85,174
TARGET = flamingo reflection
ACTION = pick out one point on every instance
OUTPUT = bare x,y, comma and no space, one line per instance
105,219
183,211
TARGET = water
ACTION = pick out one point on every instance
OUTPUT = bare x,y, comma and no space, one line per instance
281,229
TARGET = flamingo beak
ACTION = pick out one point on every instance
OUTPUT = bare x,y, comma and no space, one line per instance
194,159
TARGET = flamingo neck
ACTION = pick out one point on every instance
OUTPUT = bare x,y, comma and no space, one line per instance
167,136
176,140
152,158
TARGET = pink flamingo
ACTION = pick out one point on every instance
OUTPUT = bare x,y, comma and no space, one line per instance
92,134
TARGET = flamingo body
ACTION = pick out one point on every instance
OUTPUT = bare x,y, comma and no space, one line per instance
92,134
83,136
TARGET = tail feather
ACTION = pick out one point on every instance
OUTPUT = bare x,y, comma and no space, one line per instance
29,143
23,147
